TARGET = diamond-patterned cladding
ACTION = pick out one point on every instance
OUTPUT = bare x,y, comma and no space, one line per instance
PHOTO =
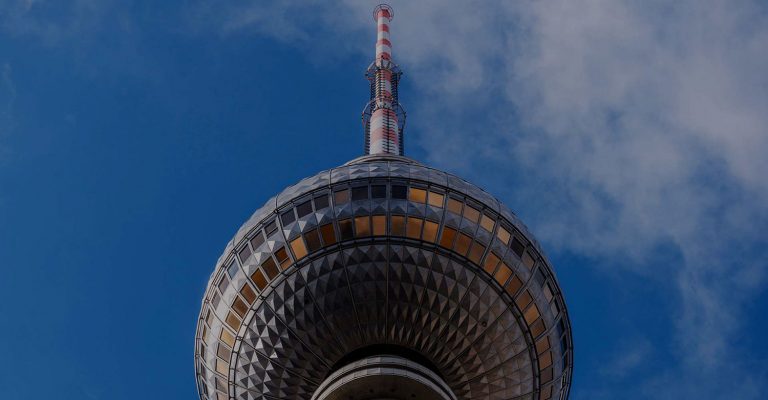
394,290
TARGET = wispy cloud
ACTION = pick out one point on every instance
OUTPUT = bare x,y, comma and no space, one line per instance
52,21
628,358
640,124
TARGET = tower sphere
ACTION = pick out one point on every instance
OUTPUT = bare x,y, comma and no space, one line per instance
383,279
383,256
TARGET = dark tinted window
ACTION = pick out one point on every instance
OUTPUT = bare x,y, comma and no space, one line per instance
345,228
360,193
341,197
245,253
517,246
287,217
304,208
270,228
232,269
378,191
257,240
313,240
399,192
321,202
223,283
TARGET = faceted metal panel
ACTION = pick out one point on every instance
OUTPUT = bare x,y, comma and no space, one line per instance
470,290
352,289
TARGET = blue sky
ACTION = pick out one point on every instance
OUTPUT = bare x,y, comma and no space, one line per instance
630,136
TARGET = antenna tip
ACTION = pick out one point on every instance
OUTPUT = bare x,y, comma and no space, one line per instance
385,10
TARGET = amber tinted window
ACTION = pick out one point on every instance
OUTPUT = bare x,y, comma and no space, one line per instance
471,214
417,195
298,247
524,299
491,261
321,202
222,367
537,329
430,231
545,360
304,208
514,285
379,225
502,274
454,206
531,314
345,228
328,234
398,225
281,255
232,320
287,217
399,192
436,199
341,197
227,337
248,293
313,240
240,307
379,191
360,193
270,268
223,352
542,345
503,235
413,230
446,239
362,226
462,244
476,253
259,279
487,223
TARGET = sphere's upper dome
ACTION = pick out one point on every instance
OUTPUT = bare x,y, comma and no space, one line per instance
383,252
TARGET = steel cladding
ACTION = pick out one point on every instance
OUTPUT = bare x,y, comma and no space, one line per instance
383,250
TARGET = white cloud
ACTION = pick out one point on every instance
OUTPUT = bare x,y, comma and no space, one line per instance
638,124
52,21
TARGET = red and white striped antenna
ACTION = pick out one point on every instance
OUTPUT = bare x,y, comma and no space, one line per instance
383,116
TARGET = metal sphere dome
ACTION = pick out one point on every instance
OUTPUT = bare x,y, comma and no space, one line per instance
383,259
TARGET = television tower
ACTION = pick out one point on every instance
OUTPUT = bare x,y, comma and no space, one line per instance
383,278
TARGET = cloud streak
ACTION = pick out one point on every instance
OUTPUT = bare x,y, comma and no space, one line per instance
641,123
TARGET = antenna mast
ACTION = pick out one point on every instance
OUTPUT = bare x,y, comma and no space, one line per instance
383,116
